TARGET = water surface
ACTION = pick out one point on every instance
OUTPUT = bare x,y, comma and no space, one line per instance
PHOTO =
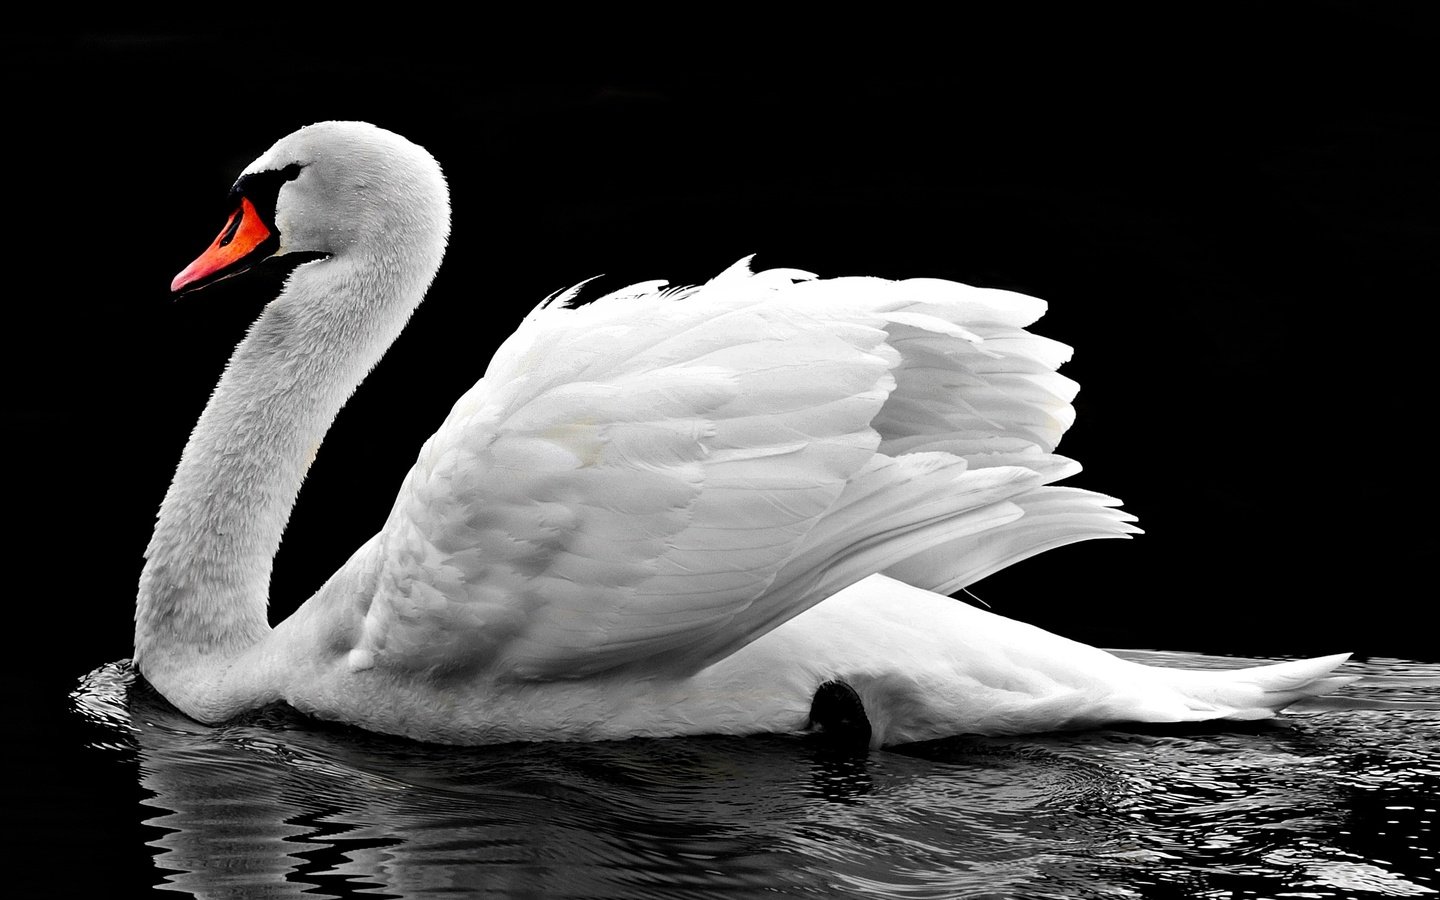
1337,799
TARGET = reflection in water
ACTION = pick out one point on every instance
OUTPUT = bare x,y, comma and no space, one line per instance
1337,804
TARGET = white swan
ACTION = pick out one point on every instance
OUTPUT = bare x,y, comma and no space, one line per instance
661,513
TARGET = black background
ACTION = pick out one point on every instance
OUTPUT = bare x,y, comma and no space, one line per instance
1230,215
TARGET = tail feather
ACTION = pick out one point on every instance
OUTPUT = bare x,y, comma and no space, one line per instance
1257,692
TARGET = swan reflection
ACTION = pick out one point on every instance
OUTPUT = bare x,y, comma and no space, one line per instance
279,805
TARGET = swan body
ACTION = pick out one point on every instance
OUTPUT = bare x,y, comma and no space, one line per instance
664,512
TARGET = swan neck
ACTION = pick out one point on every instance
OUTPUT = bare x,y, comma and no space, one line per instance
205,585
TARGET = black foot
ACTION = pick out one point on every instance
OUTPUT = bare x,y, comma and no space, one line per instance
838,716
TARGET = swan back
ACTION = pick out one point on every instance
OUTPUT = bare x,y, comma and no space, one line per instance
655,479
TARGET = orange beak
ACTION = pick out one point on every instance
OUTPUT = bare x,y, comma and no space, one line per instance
243,234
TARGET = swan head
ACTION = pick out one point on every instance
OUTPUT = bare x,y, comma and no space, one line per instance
330,189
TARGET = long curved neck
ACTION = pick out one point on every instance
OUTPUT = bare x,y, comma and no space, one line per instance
205,585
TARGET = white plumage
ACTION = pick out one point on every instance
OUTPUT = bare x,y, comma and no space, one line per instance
662,512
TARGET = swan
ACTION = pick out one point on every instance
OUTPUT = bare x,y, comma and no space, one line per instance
733,508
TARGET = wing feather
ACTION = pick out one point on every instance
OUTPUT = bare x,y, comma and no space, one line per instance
658,477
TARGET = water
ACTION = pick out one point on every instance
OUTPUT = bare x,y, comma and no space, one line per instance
1338,799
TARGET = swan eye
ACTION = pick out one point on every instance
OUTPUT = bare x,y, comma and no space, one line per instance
263,188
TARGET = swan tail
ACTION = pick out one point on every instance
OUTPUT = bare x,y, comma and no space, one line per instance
1102,690
1257,692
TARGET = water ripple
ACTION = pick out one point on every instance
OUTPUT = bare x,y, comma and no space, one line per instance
1337,801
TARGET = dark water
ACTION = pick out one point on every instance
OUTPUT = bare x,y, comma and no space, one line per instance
1338,799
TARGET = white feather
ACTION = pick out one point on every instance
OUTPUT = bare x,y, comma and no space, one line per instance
660,512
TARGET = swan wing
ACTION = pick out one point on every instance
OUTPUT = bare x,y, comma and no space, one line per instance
656,478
